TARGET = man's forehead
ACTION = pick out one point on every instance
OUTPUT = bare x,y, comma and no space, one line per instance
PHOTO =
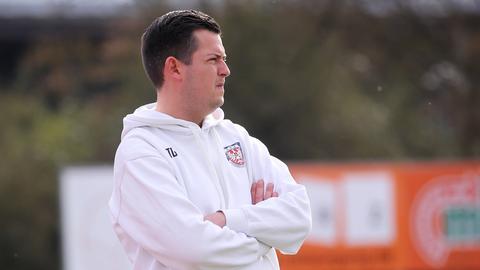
209,42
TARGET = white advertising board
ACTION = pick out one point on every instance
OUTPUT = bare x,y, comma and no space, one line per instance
370,212
88,240
356,210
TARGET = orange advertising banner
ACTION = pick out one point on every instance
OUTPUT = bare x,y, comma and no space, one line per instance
418,215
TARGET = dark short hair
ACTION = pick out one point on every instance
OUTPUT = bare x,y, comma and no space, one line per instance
172,35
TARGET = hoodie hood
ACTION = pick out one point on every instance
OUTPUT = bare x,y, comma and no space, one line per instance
147,116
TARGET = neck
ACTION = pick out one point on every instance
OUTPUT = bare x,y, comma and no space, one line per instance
171,105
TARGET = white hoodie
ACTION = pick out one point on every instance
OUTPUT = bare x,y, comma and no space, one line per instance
169,173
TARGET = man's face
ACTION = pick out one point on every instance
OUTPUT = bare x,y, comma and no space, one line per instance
205,76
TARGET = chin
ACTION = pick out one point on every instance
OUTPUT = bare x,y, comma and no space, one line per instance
221,89
218,104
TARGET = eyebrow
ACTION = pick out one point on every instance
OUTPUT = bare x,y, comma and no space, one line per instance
217,55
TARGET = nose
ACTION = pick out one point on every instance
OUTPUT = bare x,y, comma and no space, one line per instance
224,71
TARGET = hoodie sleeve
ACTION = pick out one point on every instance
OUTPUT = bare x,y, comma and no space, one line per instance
282,222
156,213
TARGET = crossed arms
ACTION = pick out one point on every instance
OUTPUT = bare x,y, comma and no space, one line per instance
159,218
258,194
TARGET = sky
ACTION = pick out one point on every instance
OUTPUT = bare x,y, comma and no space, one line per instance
41,2
11,8
47,7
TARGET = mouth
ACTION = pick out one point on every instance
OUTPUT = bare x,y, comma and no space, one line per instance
221,84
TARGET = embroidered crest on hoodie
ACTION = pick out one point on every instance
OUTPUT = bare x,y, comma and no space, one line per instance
234,154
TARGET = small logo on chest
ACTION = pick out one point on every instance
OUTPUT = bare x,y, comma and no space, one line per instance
171,152
234,154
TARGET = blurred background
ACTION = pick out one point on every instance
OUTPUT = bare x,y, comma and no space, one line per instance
317,81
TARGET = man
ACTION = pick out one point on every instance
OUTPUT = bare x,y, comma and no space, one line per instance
193,190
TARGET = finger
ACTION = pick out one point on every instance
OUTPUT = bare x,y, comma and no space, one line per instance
269,191
275,194
252,191
259,192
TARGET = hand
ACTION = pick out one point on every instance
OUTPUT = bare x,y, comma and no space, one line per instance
258,194
217,218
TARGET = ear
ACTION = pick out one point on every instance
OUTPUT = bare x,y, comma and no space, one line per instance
173,68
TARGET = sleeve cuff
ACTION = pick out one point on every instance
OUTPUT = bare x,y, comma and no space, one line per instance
236,220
